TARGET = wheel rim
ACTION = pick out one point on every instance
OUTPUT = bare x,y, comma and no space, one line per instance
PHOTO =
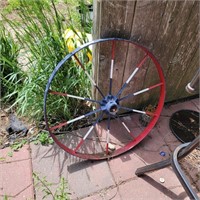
107,107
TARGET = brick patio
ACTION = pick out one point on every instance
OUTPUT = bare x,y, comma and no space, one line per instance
96,180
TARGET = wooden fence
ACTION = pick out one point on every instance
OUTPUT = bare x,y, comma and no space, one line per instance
169,29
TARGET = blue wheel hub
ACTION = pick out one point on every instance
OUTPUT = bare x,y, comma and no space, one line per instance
110,104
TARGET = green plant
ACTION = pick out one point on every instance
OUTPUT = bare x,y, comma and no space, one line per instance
86,22
10,72
79,14
10,154
43,138
40,32
2,159
43,185
18,144
12,5
5,197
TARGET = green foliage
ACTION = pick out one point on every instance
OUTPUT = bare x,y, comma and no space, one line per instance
18,144
12,5
11,75
40,32
43,138
5,197
43,185
10,153
79,14
86,22
15,5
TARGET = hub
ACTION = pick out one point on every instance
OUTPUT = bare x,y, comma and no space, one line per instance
110,105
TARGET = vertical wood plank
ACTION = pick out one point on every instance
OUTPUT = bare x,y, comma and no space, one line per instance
183,54
110,27
170,29
116,18
146,24
192,68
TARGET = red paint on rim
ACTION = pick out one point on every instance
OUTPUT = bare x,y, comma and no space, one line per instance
142,135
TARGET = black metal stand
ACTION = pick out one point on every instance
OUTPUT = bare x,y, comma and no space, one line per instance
180,152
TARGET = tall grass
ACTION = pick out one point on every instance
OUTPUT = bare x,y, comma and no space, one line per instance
11,75
39,33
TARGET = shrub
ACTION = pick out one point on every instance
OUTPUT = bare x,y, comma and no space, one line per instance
11,75
40,34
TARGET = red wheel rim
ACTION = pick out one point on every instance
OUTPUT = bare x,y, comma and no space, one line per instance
130,144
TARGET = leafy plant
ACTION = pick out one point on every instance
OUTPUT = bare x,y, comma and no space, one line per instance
18,144
11,75
79,14
43,138
12,5
5,197
40,33
10,153
43,185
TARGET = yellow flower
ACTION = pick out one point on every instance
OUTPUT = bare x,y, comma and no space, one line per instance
73,40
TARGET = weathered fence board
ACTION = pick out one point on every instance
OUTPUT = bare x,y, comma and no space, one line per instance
170,29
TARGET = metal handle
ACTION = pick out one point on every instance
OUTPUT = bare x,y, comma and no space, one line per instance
191,86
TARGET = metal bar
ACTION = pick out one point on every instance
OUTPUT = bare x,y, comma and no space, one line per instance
162,164
141,91
88,75
137,111
112,66
132,75
87,134
72,96
108,134
73,120
193,84
180,174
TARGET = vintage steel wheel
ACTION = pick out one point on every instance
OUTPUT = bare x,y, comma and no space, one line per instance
107,130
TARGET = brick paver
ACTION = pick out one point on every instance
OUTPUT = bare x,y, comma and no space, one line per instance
99,180
16,174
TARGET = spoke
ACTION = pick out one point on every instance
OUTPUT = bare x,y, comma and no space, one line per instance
88,133
132,75
74,120
72,96
141,91
138,111
88,75
124,125
108,135
112,66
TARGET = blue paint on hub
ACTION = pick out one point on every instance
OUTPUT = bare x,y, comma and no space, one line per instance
110,104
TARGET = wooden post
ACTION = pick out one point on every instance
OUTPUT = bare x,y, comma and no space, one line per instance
169,29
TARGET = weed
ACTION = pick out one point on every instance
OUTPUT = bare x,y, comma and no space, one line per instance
39,33
2,159
18,144
5,197
11,75
12,5
43,185
43,138
10,153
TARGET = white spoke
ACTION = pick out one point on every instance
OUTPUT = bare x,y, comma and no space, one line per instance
83,116
75,119
89,131
93,82
132,75
141,91
126,127
75,97
111,68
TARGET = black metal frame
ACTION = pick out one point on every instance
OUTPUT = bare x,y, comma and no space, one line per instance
180,152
